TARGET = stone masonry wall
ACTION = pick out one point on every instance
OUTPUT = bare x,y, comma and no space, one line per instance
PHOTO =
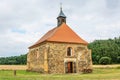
57,57
35,59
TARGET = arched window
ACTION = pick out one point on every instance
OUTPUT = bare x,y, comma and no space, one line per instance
69,51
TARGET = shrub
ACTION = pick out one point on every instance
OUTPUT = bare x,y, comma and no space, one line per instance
118,67
105,60
87,70
118,59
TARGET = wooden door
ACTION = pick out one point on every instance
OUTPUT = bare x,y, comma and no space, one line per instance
70,67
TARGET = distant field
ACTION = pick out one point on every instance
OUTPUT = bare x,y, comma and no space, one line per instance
13,67
106,66
24,67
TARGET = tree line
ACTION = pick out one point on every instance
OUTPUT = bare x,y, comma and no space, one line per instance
103,52
14,60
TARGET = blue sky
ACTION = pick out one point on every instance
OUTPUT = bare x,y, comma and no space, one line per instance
23,22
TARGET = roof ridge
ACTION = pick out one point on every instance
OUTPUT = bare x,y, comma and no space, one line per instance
54,30
62,25
57,28
75,33
43,37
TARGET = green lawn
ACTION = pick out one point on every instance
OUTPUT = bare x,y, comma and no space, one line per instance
98,74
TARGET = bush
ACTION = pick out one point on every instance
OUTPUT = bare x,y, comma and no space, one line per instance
105,60
87,70
118,59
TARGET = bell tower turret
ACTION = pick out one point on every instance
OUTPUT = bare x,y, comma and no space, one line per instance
61,17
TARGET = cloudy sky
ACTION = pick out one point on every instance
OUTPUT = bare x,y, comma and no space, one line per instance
23,22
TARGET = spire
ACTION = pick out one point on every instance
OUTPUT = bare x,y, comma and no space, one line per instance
61,12
61,17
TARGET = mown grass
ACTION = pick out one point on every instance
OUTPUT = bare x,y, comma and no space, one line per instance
98,74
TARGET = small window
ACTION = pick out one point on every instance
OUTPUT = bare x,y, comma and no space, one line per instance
69,51
63,20
37,53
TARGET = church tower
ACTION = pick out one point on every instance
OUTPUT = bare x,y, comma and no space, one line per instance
61,18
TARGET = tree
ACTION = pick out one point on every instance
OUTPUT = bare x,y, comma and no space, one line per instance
20,60
102,48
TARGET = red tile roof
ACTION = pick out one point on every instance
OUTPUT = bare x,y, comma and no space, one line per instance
63,33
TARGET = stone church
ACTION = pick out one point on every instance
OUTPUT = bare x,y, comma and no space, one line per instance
60,50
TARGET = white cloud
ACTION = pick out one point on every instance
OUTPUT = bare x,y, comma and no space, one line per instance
23,22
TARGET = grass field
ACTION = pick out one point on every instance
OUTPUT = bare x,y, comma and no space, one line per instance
98,74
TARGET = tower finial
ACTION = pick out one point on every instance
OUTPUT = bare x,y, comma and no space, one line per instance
61,6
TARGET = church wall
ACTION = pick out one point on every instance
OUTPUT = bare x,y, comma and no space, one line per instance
56,57
35,59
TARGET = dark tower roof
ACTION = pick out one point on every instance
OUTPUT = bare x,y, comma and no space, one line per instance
61,14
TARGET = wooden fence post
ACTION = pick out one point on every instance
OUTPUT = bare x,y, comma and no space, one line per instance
14,72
